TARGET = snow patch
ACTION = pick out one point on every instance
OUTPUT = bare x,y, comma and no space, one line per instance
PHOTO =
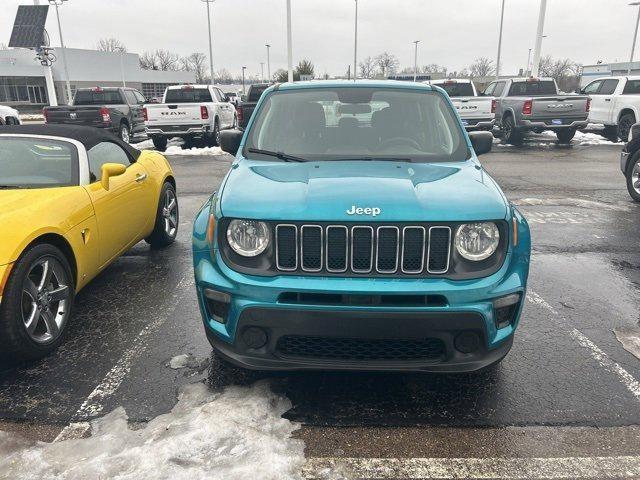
629,337
236,434
176,150
572,202
186,360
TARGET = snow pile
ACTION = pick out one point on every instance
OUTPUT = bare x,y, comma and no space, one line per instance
148,144
176,150
592,139
25,117
237,434
188,361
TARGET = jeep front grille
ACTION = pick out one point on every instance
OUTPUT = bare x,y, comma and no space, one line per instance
363,249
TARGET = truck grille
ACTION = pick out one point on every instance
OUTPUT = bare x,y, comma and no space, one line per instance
363,249
360,349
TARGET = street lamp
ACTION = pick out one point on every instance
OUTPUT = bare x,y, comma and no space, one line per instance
635,36
415,61
527,70
289,41
268,64
536,52
355,47
210,40
57,3
243,69
500,41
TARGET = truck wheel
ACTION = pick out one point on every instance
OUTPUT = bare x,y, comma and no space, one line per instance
510,133
610,133
633,177
125,133
216,133
565,135
36,304
167,218
160,143
624,125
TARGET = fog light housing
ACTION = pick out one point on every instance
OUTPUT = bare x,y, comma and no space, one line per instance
217,304
504,310
467,342
254,337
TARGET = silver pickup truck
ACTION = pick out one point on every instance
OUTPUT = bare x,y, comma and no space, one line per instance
534,104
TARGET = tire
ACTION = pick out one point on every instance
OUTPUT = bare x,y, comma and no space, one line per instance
633,176
216,133
235,122
46,295
12,121
160,143
566,135
510,133
124,133
610,133
165,230
624,125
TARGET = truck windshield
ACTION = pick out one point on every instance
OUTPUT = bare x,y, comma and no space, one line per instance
347,123
37,162
97,97
532,88
188,95
457,89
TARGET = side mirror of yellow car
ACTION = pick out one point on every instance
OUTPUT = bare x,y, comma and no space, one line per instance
111,170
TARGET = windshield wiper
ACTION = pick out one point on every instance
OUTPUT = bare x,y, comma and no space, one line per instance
373,159
281,155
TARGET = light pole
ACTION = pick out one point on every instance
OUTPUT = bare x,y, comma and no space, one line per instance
268,64
289,41
415,61
262,71
210,40
57,3
500,41
536,52
635,36
355,47
243,69
527,70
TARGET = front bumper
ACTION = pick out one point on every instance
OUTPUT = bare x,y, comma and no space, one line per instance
547,123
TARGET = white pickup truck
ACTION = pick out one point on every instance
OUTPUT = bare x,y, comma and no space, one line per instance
476,112
615,103
192,112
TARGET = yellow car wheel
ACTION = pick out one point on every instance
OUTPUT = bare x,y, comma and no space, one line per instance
36,304
165,230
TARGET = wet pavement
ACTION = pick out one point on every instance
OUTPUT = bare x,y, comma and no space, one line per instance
566,369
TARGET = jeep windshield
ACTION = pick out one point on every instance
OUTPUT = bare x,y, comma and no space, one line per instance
351,123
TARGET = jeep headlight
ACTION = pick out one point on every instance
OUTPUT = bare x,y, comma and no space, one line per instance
477,241
248,238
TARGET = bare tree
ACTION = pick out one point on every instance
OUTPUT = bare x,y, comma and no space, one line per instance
167,60
563,70
387,63
434,68
196,62
367,68
482,67
111,44
305,67
148,61
224,76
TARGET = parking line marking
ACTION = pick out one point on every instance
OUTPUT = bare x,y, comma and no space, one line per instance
93,404
495,468
602,358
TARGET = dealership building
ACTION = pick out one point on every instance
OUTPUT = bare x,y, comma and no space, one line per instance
23,81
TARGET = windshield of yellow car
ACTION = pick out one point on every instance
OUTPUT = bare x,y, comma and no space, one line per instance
27,162
352,123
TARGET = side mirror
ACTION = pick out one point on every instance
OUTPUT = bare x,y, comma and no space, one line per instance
230,140
579,91
482,142
111,170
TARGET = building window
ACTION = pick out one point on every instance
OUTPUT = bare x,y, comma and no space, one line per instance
23,90
150,90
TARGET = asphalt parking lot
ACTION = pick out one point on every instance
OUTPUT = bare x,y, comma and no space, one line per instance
568,389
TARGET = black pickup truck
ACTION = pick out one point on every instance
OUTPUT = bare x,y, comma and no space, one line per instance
248,104
118,109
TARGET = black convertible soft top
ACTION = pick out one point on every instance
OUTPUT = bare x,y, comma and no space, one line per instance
87,136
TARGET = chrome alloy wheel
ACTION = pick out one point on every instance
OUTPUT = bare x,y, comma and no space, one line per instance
170,213
46,296
635,177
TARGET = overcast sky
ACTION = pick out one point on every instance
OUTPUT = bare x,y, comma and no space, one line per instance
452,32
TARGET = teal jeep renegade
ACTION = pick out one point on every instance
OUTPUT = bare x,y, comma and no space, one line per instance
356,230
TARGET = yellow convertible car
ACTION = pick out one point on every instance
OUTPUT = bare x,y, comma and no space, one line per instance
72,199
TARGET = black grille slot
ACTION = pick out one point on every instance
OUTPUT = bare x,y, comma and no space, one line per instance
337,241
439,249
361,249
361,300
387,253
287,247
413,249
360,349
311,248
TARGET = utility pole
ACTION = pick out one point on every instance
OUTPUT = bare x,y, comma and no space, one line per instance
262,71
535,70
268,64
355,47
500,41
210,39
635,36
243,90
528,70
289,41
415,61
57,4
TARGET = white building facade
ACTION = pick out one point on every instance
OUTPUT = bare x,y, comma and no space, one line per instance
23,80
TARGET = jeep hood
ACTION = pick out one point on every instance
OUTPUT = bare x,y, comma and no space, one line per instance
325,191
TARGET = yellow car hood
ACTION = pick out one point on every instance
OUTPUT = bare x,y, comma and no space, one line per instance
25,214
